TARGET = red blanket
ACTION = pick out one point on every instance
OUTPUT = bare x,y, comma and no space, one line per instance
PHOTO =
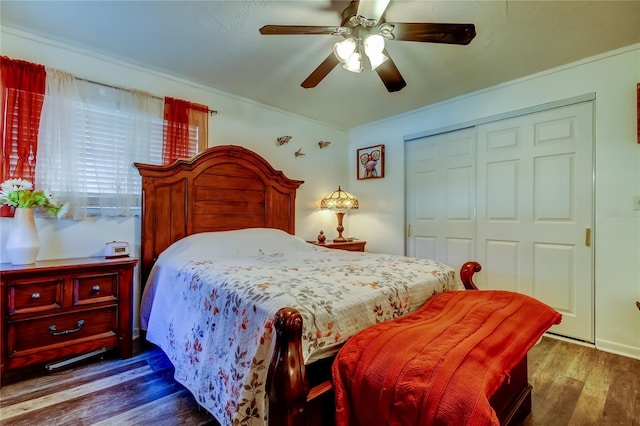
439,365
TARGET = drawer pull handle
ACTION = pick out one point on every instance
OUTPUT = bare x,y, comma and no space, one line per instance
96,288
54,331
35,296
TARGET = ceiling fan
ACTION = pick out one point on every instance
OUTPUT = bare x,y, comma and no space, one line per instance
364,28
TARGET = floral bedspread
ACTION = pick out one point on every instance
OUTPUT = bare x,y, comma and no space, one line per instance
214,318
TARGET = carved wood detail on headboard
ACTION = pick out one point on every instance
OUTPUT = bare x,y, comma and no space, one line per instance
222,188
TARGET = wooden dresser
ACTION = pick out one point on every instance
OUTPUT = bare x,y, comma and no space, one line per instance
353,245
57,309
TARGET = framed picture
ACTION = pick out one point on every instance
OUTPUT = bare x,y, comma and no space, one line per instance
370,162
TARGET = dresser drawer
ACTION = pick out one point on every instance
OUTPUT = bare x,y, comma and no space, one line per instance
95,288
61,330
34,296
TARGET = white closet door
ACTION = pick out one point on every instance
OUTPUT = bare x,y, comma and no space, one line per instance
440,182
530,179
535,211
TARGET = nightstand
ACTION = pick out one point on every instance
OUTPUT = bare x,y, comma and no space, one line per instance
57,309
353,245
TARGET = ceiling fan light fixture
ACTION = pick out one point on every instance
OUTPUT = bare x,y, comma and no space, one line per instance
377,60
344,49
354,63
373,47
373,43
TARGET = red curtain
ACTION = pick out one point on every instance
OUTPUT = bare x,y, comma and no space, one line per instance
179,116
23,87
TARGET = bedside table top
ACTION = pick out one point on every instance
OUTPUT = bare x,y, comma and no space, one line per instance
350,245
349,241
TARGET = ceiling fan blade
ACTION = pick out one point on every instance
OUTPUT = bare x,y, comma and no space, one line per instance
321,72
372,9
433,33
302,29
390,75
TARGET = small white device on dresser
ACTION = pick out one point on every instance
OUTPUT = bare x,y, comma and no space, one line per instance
116,249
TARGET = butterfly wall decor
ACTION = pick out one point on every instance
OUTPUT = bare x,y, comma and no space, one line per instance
298,153
324,144
283,140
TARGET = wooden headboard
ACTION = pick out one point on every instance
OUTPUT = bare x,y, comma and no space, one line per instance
222,188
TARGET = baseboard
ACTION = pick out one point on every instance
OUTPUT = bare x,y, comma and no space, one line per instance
569,340
603,345
618,349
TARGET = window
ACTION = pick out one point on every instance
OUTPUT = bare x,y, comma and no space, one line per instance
90,136
83,144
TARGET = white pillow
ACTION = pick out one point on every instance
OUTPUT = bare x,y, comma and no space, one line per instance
237,243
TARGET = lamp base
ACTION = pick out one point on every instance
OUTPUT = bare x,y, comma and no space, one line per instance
340,228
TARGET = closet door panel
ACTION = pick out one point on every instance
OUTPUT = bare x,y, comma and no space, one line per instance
535,206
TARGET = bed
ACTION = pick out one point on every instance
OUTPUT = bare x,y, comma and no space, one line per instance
276,359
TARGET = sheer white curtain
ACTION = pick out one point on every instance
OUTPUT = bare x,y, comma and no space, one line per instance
57,156
90,136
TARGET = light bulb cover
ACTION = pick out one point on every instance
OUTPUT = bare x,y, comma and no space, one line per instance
354,63
344,49
373,47
373,44
377,60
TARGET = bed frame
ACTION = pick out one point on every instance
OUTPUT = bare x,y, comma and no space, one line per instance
230,187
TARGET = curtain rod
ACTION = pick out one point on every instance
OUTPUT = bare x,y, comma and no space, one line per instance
211,111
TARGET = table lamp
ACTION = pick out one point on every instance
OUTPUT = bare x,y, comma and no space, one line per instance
339,201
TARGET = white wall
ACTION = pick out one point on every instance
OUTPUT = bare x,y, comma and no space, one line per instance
613,78
239,122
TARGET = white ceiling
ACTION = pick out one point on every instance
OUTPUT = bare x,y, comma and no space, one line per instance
216,43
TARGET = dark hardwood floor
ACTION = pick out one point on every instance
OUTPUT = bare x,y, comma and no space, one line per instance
572,385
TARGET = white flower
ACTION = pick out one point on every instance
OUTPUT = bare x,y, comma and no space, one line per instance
51,198
13,185
19,193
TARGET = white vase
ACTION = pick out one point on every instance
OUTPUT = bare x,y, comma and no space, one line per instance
23,243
